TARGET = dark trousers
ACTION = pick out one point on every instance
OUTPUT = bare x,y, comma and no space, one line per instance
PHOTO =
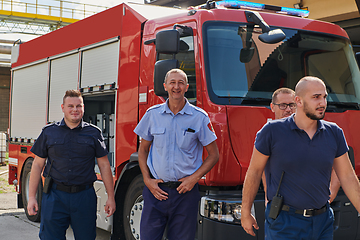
290,225
60,209
179,212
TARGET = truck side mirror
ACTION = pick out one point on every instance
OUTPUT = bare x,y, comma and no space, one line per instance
273,36
160,70
168,41
268,36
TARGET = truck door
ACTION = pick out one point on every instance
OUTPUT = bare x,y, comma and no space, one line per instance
186,58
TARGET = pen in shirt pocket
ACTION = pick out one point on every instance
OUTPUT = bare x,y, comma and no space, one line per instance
189,130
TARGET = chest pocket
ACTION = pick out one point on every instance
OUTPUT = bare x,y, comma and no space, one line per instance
85,146
188,141
56,147
159,137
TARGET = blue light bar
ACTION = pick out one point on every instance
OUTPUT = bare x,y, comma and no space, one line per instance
295,12
240,4
257,6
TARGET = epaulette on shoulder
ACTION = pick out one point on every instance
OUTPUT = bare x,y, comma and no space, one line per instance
51,124
92,125
200,110
154,107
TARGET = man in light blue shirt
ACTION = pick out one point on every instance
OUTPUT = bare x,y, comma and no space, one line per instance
170,158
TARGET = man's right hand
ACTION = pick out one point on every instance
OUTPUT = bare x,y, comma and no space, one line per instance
32,206
152,185
248,222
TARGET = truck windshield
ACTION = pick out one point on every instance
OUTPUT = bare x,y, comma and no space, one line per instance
242,70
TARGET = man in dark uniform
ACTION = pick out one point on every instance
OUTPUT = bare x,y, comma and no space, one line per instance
70,147
305,148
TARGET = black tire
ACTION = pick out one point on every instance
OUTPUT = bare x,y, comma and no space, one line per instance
132,208
25,191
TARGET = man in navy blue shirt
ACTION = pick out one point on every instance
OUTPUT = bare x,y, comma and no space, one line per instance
305,148
70,147
170,157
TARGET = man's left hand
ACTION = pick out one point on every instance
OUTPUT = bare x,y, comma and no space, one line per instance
187,183
110,206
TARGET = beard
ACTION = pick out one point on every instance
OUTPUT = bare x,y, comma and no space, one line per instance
312,115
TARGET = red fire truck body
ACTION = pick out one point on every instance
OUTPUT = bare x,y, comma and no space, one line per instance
112,58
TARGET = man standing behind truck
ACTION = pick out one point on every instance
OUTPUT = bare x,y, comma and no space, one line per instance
69,198
170,158
299,153
283,103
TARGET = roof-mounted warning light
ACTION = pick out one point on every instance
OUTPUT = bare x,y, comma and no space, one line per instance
254,6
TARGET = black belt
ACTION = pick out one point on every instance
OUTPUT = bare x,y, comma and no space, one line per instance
307,212
72,188
170,184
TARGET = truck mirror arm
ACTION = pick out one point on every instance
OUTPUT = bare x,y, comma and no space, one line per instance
268,36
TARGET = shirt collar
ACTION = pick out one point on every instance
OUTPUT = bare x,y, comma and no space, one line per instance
320,124
81,125
185,110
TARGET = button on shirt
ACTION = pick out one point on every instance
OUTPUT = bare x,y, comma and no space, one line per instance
73,152
177,140
307,163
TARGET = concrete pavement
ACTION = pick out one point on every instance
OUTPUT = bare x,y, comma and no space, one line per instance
15,225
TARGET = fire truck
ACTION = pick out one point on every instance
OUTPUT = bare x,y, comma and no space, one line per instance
235,54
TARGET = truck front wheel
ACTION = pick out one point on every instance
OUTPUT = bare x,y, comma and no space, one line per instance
132,208
25,191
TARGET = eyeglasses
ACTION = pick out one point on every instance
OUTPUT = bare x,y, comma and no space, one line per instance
283,106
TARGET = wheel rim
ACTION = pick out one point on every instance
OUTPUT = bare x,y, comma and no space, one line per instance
135,217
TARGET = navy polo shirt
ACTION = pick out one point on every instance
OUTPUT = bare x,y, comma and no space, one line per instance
73,152
307,163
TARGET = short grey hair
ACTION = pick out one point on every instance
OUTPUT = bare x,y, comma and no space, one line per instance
283,90
176,70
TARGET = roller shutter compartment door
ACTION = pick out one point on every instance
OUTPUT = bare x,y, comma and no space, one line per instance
29,101
63,76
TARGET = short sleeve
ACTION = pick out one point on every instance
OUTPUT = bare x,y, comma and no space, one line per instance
263,140
207,133
342,145
40,148
143,127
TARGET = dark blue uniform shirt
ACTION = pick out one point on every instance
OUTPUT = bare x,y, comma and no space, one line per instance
72,150
307,163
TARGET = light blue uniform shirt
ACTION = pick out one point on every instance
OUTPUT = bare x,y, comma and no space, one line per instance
177,140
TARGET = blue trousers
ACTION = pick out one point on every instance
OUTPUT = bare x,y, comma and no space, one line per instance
178,212
290,225
60,209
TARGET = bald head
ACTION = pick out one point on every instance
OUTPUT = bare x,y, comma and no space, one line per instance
304,83
310,98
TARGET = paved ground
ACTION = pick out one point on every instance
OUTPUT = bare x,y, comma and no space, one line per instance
14,223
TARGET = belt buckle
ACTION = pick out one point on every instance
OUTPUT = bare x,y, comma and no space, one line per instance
305,214
74,189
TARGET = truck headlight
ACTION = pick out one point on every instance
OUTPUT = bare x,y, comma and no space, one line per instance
223,210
